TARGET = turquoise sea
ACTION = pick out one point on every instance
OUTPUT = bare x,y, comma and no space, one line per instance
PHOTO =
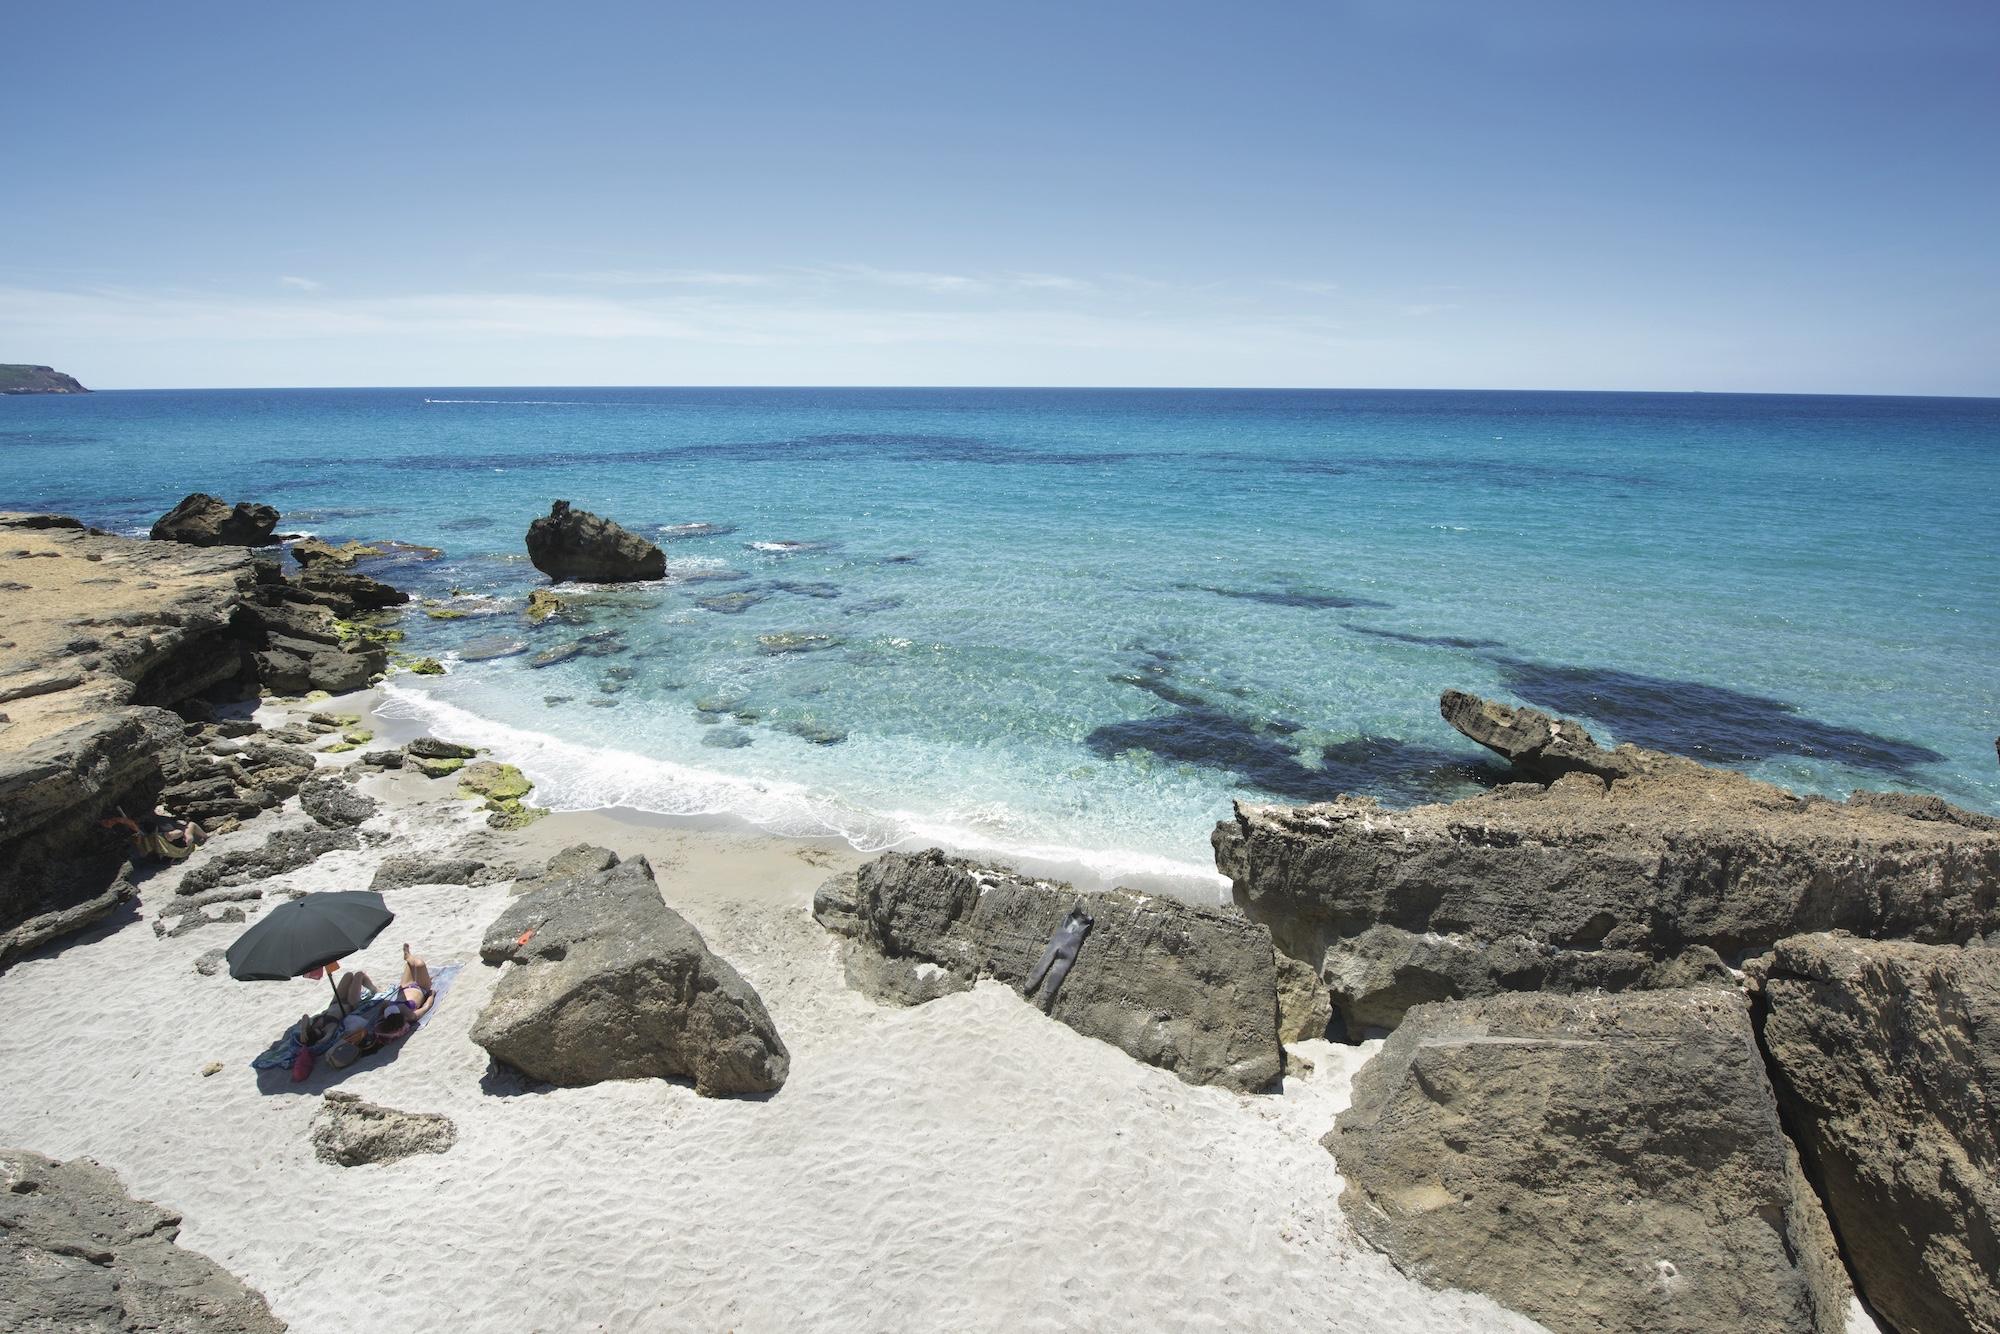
1071,625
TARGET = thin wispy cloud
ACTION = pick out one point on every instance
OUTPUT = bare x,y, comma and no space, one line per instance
301,284
664,278
131,315
916,279
823,278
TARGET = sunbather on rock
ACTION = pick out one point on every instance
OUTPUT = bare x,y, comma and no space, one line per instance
161,835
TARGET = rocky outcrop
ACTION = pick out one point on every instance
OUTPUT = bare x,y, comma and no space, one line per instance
201,520
1192,990
1600,1163
1376,976
1621,868
1539,747
1886,1058
348,1132
114,650
216,777
79,1254
345,591
101,632
284,851
604,981
402,872
573,544
1305,1010
17,378
335,804
436,748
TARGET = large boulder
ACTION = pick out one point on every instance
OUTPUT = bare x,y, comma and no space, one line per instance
576,544
1600,1163
1886,1058
201,520
1607,871
79,1254
607,982
1192,990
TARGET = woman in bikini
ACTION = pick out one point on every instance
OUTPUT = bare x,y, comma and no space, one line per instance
412,1001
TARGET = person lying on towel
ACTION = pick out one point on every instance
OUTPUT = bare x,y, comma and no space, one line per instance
398,1017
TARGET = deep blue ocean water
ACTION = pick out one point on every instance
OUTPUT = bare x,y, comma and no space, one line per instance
1078,622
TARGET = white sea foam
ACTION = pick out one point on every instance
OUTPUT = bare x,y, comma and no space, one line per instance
523,402
570,776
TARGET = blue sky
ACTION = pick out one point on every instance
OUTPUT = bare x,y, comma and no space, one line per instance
1765,196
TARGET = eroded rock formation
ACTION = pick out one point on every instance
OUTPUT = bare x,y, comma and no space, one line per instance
78,1253
112,650
1600,1163
604,981
1886,1057
1629,868
350,1132
1192,990
202,520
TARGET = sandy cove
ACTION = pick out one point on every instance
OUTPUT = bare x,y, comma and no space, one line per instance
966,1164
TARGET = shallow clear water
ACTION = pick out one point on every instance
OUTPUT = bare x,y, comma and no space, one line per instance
1081,621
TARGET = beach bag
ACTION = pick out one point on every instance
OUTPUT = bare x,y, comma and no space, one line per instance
302,1065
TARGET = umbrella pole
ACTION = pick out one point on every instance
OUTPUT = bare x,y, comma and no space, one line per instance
336,995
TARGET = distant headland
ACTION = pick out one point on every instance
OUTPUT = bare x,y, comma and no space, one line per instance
18,379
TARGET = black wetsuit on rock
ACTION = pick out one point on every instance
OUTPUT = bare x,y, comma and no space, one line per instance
1060,954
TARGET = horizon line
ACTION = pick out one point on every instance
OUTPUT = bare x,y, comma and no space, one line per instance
1029,388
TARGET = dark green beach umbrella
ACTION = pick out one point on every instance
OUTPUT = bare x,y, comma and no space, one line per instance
308,933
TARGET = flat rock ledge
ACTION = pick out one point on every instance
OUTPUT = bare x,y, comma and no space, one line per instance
1886,1058
350,1132
116,652
78,1253
1616,869
1191,990
1599,1163
604,981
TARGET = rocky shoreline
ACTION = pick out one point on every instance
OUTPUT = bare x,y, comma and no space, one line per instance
1587,928
1666,1048
116,658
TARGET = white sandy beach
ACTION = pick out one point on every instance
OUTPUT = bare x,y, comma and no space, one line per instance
965,1165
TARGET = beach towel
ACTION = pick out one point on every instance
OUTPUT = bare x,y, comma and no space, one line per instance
441,980
280,1054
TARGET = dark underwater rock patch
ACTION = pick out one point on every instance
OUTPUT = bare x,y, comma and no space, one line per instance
1705,722
1426,641
731,604
1285,597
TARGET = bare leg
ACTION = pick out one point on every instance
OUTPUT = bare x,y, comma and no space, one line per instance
352,987
416,973
415,970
